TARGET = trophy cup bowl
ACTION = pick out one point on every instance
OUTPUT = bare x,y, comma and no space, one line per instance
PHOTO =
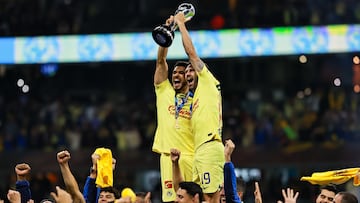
164,34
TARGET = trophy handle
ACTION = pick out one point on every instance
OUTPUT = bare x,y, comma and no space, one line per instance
173,26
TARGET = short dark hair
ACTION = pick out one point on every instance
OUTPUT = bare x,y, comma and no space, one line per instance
240,184
192,189
181,63
330,187
141,195
111,190
347,197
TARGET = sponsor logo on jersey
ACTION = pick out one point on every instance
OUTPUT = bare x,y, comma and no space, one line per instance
168,184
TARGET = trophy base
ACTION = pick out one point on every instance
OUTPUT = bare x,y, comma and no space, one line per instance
163,35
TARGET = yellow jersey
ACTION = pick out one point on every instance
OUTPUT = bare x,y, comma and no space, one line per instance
173,122
207,109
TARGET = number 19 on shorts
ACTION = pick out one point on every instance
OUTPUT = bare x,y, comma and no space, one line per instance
205,178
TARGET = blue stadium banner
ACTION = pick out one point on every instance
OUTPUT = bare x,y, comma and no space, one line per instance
209,44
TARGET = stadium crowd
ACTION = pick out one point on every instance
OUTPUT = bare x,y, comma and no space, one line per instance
22,18
123,122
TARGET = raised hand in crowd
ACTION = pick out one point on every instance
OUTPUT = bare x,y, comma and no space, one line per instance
14,196
175,155
63,157
257,193
147,198
61,196
22,171
228,150
94,159
289,196
93,170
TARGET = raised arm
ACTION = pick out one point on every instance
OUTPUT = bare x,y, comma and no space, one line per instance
90,191
231,194
177,177
71,185
189,48
257,193
22,184
162,69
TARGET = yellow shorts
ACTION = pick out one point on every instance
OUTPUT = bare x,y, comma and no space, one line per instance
209,166
186,167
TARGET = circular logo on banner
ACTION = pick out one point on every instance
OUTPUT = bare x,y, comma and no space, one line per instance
143,46
207,43
353,38
313,40
95,48
256,42
41,49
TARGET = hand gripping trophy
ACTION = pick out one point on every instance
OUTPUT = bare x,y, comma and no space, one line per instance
164,34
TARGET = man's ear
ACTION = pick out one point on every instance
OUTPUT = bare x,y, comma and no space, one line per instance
196,198
241,195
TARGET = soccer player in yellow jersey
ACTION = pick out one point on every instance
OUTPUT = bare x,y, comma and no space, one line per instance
206,121
174,106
